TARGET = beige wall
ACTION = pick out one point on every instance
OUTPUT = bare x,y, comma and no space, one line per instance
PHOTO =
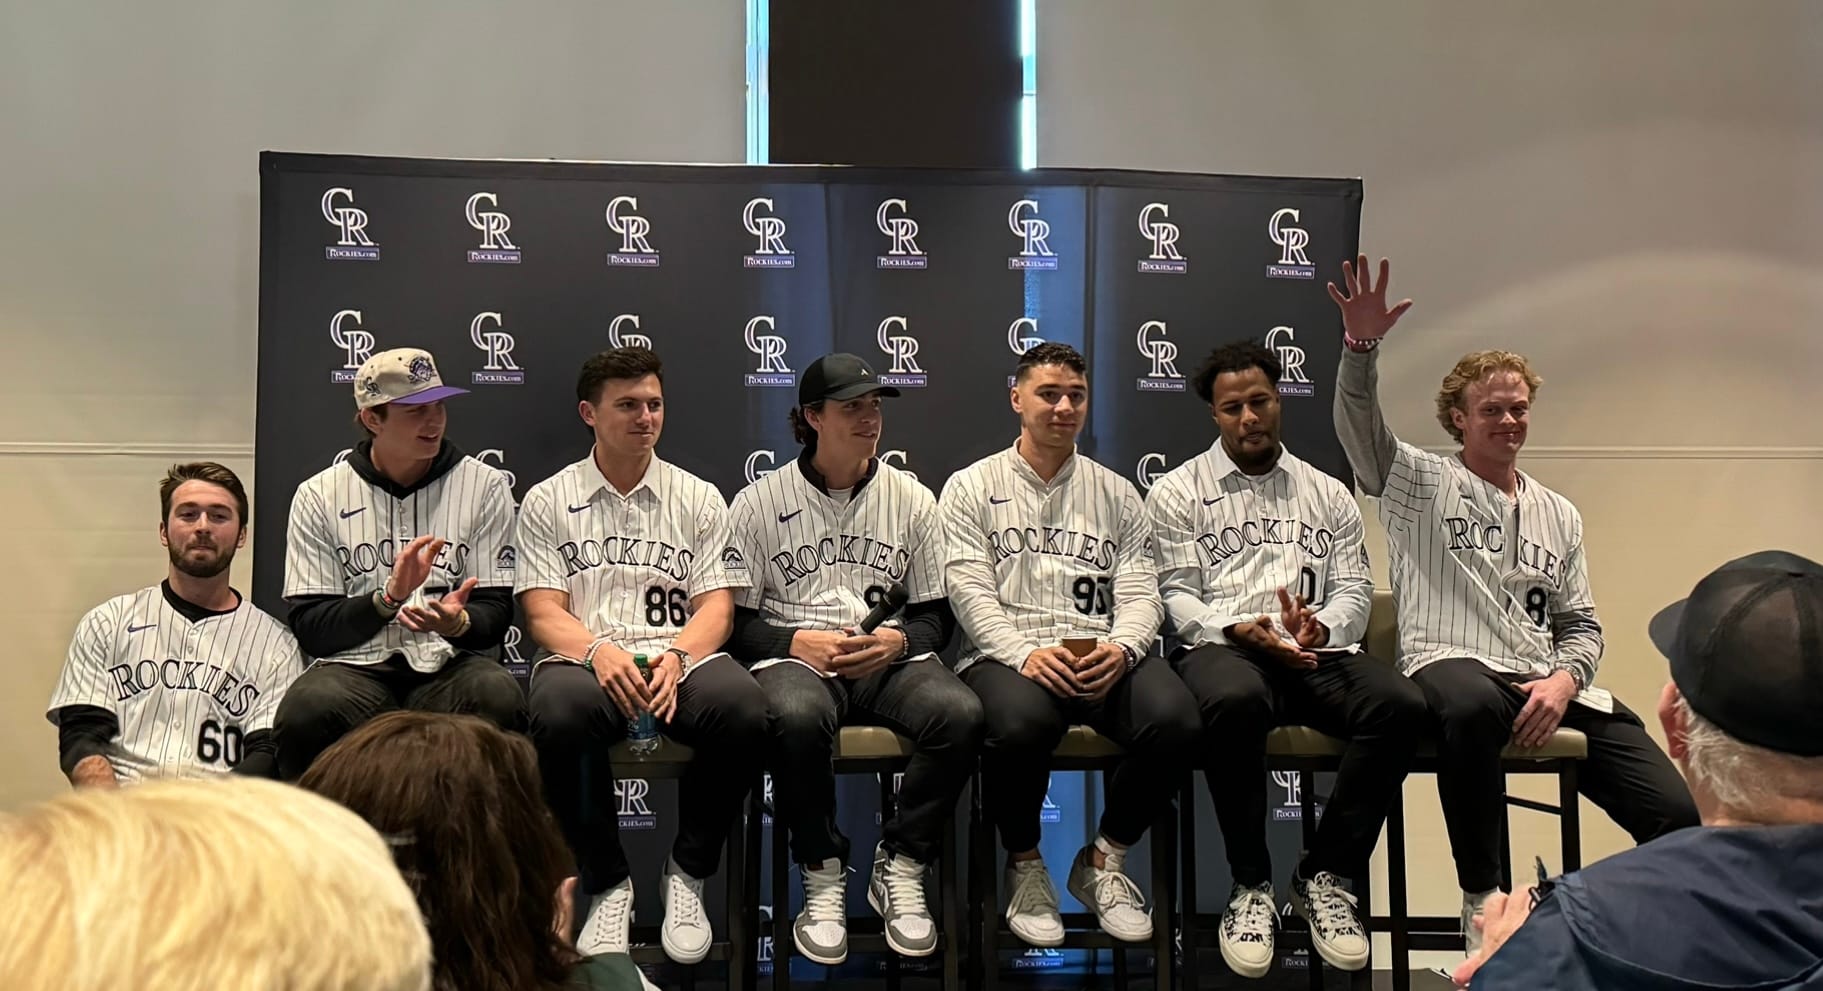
130,136
1628,191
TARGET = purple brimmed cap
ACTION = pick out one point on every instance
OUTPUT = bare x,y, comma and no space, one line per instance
407,376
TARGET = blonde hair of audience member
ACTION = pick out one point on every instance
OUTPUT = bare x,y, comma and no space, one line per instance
463,804
229,884
1736,783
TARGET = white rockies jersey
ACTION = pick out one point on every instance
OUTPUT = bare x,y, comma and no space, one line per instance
187,693
820,563
1031,562
1228,541
1476,574
345,532
631,564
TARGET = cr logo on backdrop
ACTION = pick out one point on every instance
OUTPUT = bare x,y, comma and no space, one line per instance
772,370
1019,344
634,251
896,458
620,337
1150,469
1292,380
356,344
772,252
498,463
496,247
903,231
352,243
634,812
1163,376
1293,263
497,344
1292,782
902,348
753,469
510,656
1164,257
1034,253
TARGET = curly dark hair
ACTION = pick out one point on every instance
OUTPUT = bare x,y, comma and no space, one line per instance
1236,356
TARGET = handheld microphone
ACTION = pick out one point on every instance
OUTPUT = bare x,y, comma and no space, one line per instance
895,600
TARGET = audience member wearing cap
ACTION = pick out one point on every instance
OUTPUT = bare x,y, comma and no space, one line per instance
1737,903
461,804
398,571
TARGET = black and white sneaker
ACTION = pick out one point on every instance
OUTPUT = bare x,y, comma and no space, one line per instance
1250,926
896,891
821,928
1335,927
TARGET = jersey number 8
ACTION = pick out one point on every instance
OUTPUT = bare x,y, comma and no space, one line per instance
1535,600
661,606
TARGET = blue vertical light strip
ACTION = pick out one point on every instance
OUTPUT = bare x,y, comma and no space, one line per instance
1028,101
759,106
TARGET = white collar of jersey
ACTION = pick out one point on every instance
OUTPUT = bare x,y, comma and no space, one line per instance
594,482
1025,470
1225,466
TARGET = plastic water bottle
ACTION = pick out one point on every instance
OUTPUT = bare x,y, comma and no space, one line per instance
643,737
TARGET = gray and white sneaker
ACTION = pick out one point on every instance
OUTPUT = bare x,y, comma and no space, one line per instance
821,928
610,914
1250,925
1335,928
1031,909
1111,895
685,934
896,891
1471,907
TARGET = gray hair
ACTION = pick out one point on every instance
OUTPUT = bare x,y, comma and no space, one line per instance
1744,777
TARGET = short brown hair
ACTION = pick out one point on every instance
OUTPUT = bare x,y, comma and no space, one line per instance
1475,366
616,363
1050,353
462,805
201,471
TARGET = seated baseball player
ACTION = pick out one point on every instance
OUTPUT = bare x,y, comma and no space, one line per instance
1497,622
1052,578
830,537
1266,583
183,676
398,571
620,554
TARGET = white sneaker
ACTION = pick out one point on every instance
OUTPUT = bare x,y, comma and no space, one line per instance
1031,909
896,891
1471,907
1249,928
1111,895
821,929
610,914
1335,928
686,934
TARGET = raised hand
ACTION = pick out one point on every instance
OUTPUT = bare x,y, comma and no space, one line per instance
412,565
1364,313
1300,621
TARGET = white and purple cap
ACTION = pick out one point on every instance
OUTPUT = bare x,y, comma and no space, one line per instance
407,376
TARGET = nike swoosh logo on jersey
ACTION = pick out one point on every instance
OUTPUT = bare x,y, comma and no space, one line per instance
997,500
786,517
1211,502
135,629
578,509
346,513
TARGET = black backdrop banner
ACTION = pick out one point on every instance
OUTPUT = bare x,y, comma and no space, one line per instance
512,273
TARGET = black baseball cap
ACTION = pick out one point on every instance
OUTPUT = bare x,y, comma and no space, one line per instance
1746,650
840,377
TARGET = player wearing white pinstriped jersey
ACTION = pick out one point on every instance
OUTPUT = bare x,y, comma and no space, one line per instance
184,676
1497,622
1046,548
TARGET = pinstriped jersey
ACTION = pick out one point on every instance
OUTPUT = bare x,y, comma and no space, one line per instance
1228,541
1476,574
630,563
1031,562
345,532
186,692
819,562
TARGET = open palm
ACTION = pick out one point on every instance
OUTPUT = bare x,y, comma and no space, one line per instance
1364,313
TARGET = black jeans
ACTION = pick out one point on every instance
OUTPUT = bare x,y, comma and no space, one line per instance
721,717
1626,774
329,699
920,700
1367,702
1149,713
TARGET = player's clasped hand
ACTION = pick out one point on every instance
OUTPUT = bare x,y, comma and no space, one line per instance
1099,669
442,616
667,672
1300,621
621,679
1055,669
818,648
864,653
1258,636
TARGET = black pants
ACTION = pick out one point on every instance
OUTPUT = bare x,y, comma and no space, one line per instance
721,717
1367,702
329,699
1149,713
920,700
1626,774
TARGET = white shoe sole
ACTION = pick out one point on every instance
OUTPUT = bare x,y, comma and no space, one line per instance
1330,955
887,931
1136,936
1032,939
679,954
815,956
1248,969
